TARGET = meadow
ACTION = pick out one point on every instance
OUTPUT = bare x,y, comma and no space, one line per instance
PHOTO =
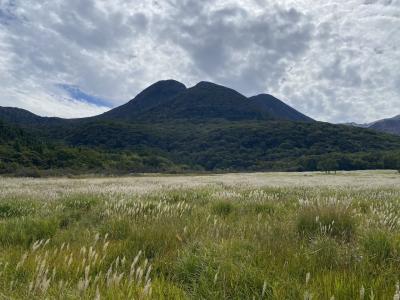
230,236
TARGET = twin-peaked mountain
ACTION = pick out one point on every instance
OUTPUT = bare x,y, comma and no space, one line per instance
170,99
207,127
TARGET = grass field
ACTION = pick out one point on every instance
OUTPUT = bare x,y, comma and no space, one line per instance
233,236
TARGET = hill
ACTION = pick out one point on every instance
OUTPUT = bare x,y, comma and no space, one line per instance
207,101
389,125
279,109
171,100
208,127
25,153
154,96
22,117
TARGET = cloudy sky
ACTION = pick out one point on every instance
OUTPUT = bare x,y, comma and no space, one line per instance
335,60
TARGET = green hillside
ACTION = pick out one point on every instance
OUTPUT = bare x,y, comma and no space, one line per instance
169,128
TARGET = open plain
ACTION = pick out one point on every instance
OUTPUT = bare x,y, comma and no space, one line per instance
228,236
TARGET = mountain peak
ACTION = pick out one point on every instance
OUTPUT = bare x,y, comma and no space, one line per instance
216,91
155,95
14,115
278,108
167,84
391,125
206,84
170,99
208,101
264,95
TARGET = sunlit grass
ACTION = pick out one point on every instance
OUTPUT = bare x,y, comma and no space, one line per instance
234,236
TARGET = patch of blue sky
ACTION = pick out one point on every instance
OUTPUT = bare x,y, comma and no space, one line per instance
7,14
76,93
5,17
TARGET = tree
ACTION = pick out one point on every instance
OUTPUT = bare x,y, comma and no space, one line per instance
309,164
17,146
391,161
328,164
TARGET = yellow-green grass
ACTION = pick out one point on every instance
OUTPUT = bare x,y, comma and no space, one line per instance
232,236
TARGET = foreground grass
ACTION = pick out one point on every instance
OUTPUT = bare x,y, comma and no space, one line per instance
212,237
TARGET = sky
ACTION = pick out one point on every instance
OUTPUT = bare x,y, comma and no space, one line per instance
336,61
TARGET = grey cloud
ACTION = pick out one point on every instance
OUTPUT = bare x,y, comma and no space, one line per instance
341,73
334,61
7,12
349,72
70,42
233,45
383,2
90,27
139,21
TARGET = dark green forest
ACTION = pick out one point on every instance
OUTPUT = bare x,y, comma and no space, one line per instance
121,148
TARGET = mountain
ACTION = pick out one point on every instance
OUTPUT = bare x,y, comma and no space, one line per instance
154,96
390,125
23,117
9,133
354,124
206,101
279,109
171,100
171,128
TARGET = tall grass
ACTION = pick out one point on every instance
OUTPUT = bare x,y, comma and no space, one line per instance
200,238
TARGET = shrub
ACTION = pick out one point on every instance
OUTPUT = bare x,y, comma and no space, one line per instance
81,202
331,220
7,210
118,229
163,289
325,252
191,266
14,209
207,275
222,208
264,208
378,247
26,231
27,172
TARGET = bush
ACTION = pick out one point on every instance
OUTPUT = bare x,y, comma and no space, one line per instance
206,275
222,208
258,208
81,203
327,220
378,247
118,229
27,172
26,231
325,252
14,209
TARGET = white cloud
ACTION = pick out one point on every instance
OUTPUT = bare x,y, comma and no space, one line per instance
350,72
334,60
